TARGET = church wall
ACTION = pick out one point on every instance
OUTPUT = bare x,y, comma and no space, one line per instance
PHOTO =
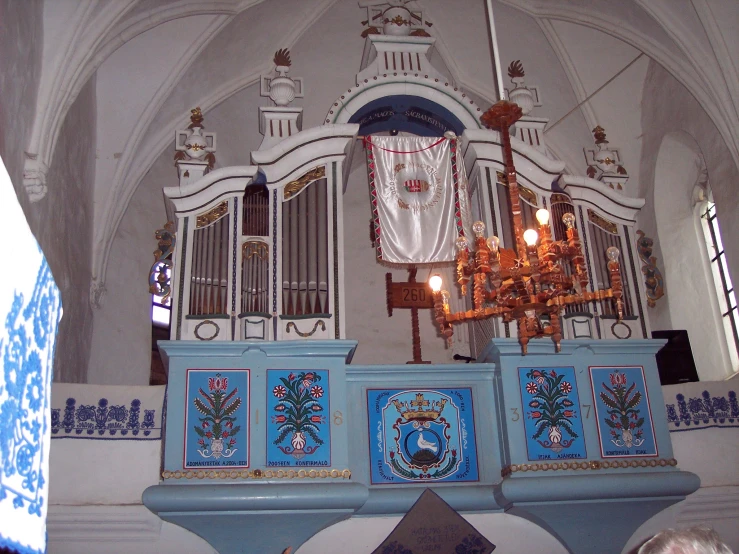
668,107
62,222
21,44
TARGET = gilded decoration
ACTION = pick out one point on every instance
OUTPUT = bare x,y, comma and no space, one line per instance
255,248
159,275
294,187
653,276
602,222
527,194
593,465
211,216
259,474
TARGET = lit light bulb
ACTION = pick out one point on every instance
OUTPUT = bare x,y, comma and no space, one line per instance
462,243
435,282
613,253
530,237
493,243
569,220
542,216
479,228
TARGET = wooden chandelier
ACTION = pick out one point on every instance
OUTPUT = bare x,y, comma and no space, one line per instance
531,284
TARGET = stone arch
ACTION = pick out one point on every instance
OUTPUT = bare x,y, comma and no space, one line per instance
690,299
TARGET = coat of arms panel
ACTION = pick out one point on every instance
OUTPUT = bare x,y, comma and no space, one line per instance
622,409
421,435
298,428
552,417
217,419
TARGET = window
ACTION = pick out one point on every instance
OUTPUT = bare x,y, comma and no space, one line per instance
161,312
724,287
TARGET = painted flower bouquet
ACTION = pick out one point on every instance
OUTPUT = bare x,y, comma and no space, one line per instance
216,429
299,412
552,409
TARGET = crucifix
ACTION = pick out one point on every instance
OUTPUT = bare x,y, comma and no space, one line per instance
410,295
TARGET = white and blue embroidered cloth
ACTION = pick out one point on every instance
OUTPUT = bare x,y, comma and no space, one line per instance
30,309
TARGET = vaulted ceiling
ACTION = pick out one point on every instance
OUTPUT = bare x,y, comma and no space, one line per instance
156,59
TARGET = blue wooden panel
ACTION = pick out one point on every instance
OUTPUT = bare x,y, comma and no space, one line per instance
217,418
622,409
552,420
421,435
298,430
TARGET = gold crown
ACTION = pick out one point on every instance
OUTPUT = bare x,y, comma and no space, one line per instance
420,409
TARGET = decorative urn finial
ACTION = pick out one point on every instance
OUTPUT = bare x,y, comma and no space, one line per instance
193,143
520,94
282,88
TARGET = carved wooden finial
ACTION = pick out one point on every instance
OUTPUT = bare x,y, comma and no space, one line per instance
600,135
282,58
196,118
516,69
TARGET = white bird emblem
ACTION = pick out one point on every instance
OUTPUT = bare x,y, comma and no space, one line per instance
424,444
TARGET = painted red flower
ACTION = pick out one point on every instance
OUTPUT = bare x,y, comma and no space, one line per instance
225,434
618,426
206,425
634,416
201,442
307,380
632,425
291,377
618,379
279,419
209,435
536,415
316,419
534,403
454,453
552,373
565,387
613,417
229,424
218,383
280,407
316,391
231,442
316,407
569,413
392,454
531,388
279,391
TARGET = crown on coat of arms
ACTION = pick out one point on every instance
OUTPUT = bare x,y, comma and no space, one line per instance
416,185
420,409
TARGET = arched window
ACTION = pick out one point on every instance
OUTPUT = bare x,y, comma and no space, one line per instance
725,292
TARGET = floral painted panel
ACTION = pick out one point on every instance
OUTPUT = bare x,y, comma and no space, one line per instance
622,411
552,417
421,435
298,430
217,418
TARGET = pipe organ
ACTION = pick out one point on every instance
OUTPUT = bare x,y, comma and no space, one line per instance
258,249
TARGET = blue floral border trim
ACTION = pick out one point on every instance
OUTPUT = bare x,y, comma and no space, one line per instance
703,412
105,422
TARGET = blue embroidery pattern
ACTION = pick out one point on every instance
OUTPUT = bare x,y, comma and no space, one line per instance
27,355
703,412
104,422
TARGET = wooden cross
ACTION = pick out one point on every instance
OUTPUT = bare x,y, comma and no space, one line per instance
410,295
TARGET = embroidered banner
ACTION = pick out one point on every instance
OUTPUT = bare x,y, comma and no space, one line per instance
30,308
97,412
420,201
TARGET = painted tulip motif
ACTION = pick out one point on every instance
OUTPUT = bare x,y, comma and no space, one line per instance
217,423
624,418
553,410
298,406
